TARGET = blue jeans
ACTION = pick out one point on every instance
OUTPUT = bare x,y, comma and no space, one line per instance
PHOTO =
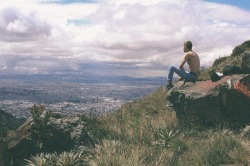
187,76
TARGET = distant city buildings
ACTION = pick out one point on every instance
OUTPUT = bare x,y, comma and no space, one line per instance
17,97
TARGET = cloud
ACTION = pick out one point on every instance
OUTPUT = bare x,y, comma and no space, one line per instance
143,32
135,38
16,26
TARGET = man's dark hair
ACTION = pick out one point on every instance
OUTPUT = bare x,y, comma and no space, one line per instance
189,44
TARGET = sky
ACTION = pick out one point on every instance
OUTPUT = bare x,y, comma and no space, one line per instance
138,38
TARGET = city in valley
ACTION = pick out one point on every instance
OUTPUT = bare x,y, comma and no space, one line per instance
71,95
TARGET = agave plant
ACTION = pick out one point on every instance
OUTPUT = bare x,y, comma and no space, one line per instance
164,137
41,160
71,159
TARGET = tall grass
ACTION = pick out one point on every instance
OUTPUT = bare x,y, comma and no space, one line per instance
149,134
223,149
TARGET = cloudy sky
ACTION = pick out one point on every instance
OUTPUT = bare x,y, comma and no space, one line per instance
138,38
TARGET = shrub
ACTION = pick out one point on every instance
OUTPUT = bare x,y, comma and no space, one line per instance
41,160
39,131
45,137
93,129
219,60
237,51
241,48
72,159
3,131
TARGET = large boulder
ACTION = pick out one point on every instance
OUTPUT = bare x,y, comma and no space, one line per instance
46,133
212,103
245,65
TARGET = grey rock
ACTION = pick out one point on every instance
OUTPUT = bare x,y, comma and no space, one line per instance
55,134
212,103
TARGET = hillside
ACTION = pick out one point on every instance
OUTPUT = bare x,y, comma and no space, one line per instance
144,132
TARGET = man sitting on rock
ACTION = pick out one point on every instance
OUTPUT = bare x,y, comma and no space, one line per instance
193,62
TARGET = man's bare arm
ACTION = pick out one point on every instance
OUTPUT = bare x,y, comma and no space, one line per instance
183,62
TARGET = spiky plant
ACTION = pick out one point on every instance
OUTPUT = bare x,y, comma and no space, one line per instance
165,137
41,160
72,159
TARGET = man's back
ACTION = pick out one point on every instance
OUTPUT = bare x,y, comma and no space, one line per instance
193,62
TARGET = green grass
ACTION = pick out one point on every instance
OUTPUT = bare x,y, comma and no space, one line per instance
149,134
223,149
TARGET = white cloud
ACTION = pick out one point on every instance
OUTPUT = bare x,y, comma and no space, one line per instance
146,34
16,26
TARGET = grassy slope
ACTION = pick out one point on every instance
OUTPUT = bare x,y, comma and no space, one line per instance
146,132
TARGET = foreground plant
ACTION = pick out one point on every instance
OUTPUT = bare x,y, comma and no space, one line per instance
72,158
41,160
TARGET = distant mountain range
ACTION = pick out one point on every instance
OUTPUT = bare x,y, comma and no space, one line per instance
74,78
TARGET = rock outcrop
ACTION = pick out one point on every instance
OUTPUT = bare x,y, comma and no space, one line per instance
212,103
46,133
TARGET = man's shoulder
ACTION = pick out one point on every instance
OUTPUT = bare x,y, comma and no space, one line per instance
188,54
191,54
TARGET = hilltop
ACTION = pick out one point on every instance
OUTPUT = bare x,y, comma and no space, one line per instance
235,59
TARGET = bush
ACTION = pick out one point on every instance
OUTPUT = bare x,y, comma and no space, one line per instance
45,137
219,60
3,131
241,48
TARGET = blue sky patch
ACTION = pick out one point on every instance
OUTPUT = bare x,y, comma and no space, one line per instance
244,4
75,1
78,21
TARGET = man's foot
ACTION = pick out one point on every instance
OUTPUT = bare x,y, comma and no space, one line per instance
169,86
